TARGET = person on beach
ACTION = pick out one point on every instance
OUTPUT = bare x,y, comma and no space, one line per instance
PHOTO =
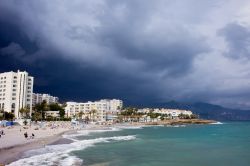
2,132
32,135
26,135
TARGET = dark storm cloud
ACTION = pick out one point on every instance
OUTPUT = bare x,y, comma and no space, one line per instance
13,49
238,40
139,51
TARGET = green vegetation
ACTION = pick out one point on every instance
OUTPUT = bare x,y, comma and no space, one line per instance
61,113
184,116
6,115
132,114
24,112
40,111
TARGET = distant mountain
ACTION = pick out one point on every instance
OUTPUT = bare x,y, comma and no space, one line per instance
208,111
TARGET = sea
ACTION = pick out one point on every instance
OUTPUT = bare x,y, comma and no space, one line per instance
220,144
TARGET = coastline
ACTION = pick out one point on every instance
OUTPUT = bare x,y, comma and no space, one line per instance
177,122
15,152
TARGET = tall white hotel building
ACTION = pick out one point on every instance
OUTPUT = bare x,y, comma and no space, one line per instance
16,89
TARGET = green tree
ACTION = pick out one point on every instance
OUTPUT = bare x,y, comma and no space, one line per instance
36,116
55,107
194,116
1,114
42,108
80,114
61,113
24,112
93,112
6,115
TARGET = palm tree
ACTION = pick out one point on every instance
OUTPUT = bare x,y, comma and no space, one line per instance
80,114
24,112
36,116
2,114
93,111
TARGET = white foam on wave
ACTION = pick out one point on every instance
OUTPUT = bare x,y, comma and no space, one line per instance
129,127
217,123
108,129
154,126
88,132
59,154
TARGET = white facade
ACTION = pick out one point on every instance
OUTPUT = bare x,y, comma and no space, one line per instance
97,110
164,111
38,98
16,90
52,114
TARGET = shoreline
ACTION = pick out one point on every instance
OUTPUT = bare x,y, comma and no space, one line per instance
177,122
15,152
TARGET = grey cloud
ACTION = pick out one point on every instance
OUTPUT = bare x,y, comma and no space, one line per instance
123,30
13,49
238,40
138,50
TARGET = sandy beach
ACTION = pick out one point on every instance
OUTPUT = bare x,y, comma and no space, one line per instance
13,143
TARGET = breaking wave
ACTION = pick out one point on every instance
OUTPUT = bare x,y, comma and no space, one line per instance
59,154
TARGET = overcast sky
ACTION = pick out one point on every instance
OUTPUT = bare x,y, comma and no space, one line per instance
140,51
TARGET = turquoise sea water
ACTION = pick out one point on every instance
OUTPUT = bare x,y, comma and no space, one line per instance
226,144
197,145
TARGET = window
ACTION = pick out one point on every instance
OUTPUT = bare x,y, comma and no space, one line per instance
14,85
13,98
13,94
14,81
14,90
29,87
15,77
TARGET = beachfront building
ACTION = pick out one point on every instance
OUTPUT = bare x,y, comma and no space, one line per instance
54,114
101,110
16,90
174,113
38,98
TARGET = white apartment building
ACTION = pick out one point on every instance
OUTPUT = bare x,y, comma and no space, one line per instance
38,98
165,111
16,90
97,110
